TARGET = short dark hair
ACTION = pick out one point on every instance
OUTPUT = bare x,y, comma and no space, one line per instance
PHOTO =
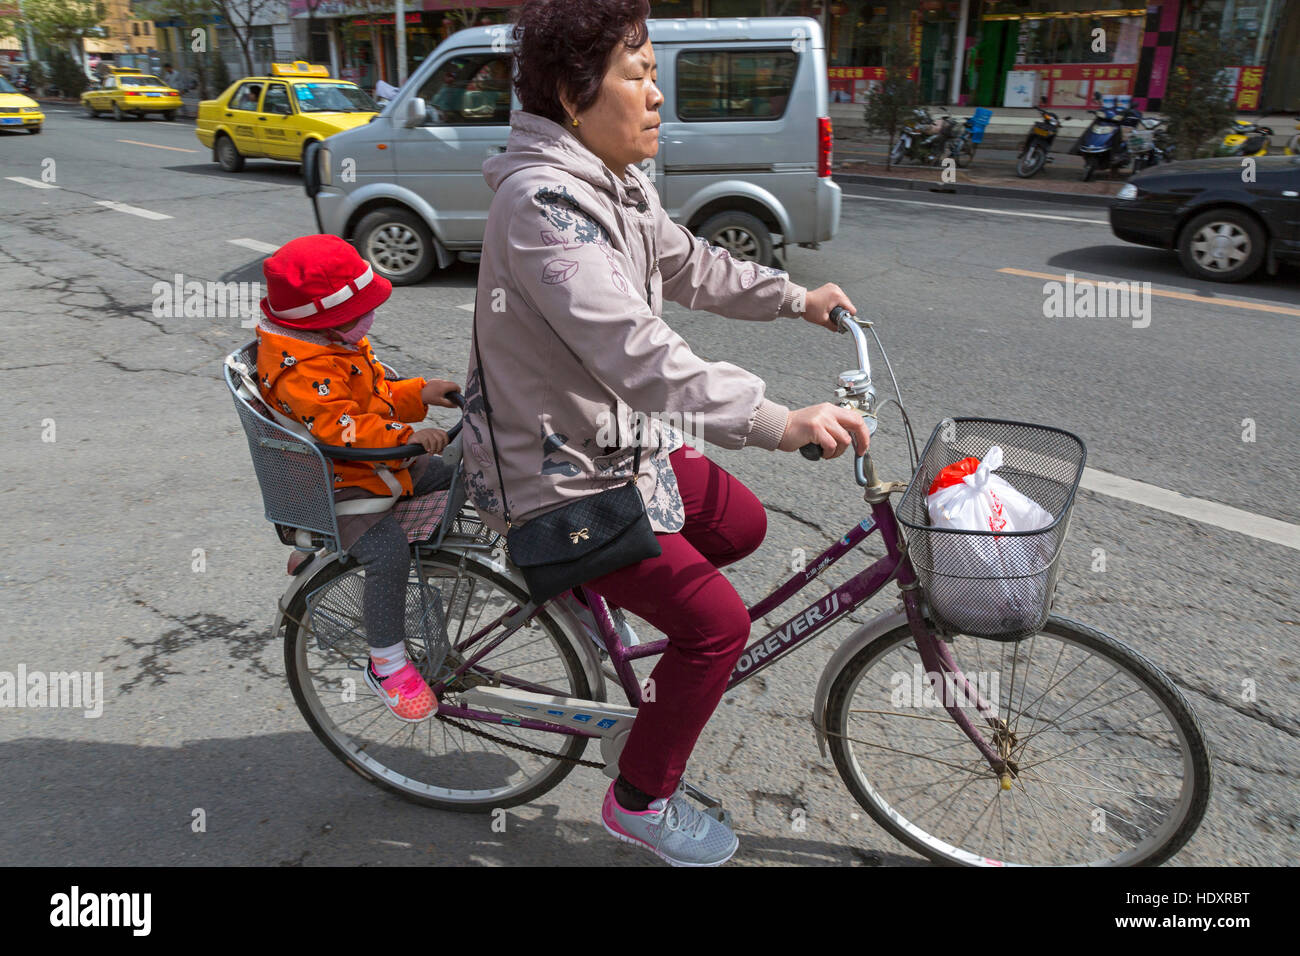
567,44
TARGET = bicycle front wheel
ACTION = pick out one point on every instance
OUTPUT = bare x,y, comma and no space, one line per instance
437,762
1110,767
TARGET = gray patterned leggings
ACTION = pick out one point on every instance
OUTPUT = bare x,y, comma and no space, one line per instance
384,553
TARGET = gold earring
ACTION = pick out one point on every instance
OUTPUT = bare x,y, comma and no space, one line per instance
576,121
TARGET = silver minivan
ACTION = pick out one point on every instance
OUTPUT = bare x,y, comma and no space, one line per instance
744,146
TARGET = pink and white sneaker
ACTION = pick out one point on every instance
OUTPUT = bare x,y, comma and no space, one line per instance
672,829
405,693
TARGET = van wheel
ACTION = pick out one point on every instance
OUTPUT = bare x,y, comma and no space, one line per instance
397,243
227,155
742,235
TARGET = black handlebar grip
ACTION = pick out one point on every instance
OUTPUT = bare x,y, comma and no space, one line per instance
840,316
457,398
812,451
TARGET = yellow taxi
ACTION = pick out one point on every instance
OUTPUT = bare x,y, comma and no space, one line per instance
126,91
18,111
277,116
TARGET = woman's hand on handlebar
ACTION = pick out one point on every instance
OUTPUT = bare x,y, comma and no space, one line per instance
818,304
832,427
436,390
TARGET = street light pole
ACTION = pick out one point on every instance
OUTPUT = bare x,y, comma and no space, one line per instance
959,55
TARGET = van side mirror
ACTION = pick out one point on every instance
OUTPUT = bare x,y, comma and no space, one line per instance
414,112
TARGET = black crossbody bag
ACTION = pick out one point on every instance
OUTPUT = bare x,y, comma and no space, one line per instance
580,541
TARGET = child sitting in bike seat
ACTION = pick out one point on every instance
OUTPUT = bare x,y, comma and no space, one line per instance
315,365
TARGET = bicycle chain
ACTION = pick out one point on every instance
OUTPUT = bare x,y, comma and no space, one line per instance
524,747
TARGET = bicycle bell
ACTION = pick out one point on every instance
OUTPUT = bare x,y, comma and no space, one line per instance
856,391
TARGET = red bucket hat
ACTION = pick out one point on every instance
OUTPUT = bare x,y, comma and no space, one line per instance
320,282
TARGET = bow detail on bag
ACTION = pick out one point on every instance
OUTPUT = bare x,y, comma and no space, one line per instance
580,535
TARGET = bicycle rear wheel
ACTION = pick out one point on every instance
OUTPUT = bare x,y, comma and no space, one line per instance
437,762
1111,766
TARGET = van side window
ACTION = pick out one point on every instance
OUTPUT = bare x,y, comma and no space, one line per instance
469,90
734,84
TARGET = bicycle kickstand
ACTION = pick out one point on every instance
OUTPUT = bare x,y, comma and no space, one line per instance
712,805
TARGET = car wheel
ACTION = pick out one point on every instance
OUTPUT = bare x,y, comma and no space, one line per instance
169,115
227,155
33,130
397,243
743,236
91,111
117,112
1223,245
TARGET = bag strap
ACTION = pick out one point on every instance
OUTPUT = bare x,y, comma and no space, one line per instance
487,412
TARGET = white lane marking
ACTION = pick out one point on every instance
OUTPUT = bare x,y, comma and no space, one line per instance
174,149
468,306
131,210
996,212
1197,509
253,244
34,183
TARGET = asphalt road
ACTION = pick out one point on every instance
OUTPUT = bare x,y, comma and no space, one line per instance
148,464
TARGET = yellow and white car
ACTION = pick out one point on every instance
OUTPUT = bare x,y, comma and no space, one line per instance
130,91
277,116
18,111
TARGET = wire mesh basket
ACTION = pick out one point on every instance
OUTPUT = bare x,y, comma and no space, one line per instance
981,583
336,618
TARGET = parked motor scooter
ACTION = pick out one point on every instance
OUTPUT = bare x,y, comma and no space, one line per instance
1244,138
1035,150
1102,144
1150,144
922,139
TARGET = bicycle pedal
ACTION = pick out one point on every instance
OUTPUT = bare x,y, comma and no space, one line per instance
719,814
699,796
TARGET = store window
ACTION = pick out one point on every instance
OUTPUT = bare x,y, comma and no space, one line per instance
471,90
717,85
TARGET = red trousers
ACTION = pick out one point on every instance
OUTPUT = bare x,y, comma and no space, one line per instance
682,594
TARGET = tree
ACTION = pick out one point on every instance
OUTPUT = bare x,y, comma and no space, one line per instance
240,16
65,23
66,73
889,104
191,15
1197,101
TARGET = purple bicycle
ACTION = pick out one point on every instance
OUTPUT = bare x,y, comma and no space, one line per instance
969,722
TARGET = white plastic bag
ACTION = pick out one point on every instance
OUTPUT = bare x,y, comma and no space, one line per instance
987,584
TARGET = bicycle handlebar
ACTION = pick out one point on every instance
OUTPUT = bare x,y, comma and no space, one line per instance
843,319
341,453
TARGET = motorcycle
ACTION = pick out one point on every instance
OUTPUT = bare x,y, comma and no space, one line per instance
922,139
1151,144
1244,138
1102,144
961,144
1038,143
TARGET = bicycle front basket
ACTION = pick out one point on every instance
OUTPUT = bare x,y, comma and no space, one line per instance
996,586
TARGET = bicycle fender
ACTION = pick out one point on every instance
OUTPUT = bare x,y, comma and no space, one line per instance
305,574
882,623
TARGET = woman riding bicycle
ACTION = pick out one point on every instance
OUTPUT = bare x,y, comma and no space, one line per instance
577,258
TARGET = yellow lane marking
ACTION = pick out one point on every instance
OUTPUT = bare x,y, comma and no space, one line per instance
174,149
1166,294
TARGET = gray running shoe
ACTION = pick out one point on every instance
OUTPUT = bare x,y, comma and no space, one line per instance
672,829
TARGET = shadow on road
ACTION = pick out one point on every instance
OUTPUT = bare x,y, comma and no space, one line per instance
270,172
1145,264
282,800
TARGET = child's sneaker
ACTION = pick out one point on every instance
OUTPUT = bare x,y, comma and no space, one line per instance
672,829
406,693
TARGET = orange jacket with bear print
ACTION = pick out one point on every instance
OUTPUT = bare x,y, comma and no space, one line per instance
340,394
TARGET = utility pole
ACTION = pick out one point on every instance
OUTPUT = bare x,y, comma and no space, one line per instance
959,54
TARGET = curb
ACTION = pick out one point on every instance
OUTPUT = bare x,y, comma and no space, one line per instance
973,189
